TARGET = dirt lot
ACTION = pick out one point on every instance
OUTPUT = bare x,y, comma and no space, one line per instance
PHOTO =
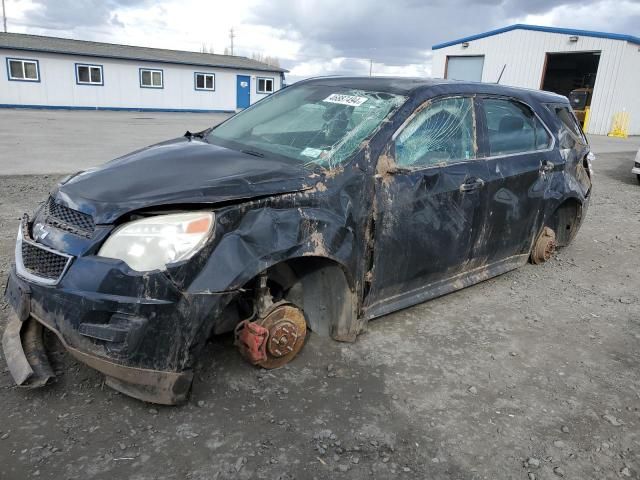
530,375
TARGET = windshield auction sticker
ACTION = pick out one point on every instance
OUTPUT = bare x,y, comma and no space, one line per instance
311,152
351,100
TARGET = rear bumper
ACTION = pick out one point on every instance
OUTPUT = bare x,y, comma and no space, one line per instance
636,170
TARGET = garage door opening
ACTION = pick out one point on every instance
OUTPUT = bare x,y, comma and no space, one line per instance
468,68
572,75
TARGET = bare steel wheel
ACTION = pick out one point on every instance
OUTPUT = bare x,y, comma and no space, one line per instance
544,247
287,329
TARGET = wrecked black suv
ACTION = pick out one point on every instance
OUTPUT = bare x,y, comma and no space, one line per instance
327,204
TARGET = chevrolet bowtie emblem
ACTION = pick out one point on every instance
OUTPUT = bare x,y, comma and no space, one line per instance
40,232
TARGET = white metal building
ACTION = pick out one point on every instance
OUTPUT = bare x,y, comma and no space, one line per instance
49,72
556,59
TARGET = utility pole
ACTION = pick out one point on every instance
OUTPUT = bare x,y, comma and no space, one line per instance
4,17
231,36
370,66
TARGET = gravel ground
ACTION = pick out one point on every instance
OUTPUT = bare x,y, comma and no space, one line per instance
531,375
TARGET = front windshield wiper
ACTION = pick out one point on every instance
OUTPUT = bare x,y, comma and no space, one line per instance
253,152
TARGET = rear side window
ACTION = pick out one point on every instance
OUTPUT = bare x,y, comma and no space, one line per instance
513,128
570,131
441,133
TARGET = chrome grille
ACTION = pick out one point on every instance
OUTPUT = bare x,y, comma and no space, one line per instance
36,262
68,219
43,263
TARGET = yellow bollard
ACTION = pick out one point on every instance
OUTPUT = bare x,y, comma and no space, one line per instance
620,125
585,123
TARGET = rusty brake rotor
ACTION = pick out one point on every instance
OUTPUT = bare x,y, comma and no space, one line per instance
544,247
287,329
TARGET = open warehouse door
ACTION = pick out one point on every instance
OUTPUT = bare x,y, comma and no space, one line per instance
574,76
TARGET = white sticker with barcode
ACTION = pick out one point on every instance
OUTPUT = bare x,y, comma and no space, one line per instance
311,152
351,100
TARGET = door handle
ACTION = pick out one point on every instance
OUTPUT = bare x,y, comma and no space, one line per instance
546,166
472,184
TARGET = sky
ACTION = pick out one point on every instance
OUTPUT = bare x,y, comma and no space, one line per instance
311,37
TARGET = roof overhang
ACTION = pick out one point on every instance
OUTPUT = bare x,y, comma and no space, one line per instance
538,28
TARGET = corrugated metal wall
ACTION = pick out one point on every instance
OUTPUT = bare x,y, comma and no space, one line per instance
121,89
629,86
524,52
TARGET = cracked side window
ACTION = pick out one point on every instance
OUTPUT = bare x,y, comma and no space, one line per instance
441,133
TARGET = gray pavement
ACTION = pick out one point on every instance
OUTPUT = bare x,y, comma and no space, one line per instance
65,141
60,141
604,144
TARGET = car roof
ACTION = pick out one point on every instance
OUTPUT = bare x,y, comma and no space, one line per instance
412,86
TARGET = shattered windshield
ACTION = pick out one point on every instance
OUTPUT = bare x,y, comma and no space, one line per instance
313,124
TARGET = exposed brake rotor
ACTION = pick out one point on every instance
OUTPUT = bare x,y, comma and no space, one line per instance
544,247
274,339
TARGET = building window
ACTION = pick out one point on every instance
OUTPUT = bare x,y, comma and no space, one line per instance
89,74
265,85
205,81
23,70
151,78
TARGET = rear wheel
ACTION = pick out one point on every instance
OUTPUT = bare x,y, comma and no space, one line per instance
638,176
544,247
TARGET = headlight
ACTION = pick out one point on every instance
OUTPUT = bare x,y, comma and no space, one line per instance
154,242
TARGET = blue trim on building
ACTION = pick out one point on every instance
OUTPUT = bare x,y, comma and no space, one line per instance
273,85
101,84
145,60
195,82
28,80
113,109
538,28
151,70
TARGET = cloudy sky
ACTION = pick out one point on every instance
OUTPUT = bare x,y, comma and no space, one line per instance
311,37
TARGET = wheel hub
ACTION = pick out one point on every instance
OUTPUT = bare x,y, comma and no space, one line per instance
282,339
544,247
274,339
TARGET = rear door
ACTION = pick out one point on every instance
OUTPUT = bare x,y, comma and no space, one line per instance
520,162
430,209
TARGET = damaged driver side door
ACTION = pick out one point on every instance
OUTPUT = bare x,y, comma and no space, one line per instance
430,206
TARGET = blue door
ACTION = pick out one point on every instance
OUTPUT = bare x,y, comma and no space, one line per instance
243,89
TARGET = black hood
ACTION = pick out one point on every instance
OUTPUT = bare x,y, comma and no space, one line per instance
179,171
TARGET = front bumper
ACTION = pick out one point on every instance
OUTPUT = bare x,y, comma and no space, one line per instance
26,359
142,331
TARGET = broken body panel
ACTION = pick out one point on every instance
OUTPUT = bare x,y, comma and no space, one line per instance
345,243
